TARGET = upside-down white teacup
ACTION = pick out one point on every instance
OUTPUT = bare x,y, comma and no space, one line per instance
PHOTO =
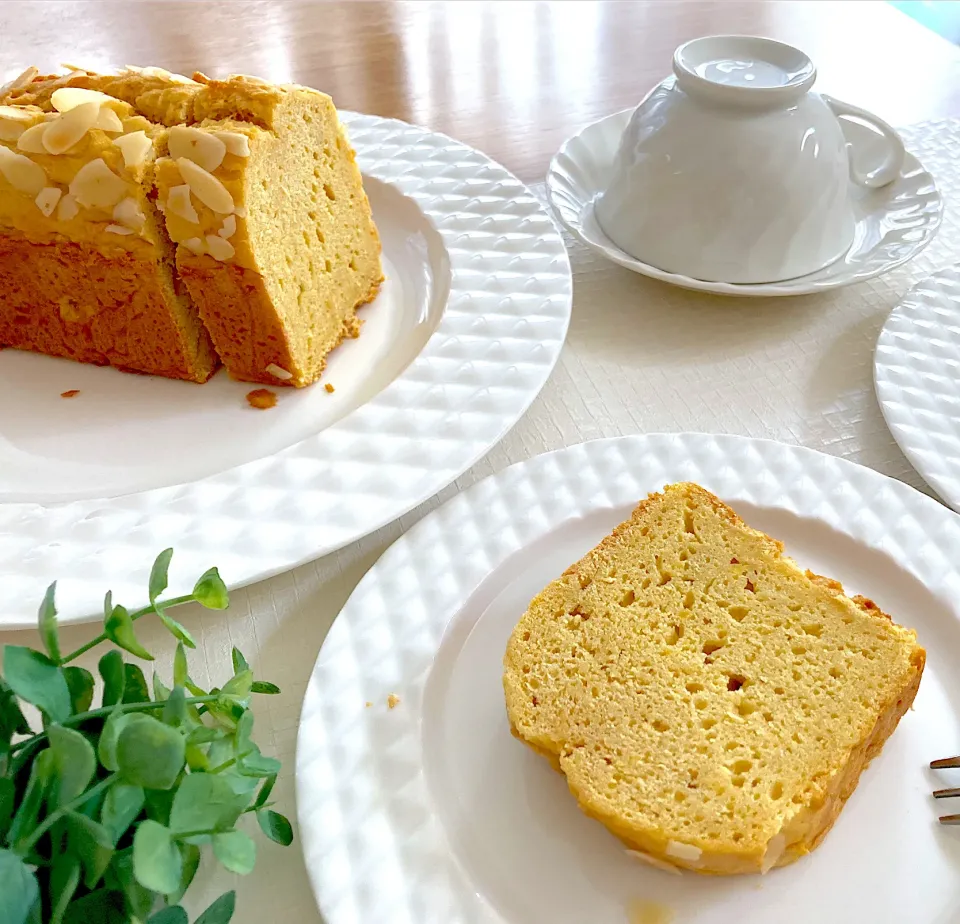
733,170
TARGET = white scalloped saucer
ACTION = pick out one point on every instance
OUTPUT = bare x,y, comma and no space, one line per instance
432,813
893,223
461,338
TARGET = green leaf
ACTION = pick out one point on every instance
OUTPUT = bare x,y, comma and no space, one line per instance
25,819
118,627
74,760
158,574
64,879
221,911
47,623
116,722
12,721
190,855
180,673
92,843
134,685
103,906
111,670
174,627
210,591
138,901
262,686
265,791
239,661
80,684
8,793
121,806
37,680
257,764
239,686
160,690
19,892
275,826
150,754
205,801
236,851
157,804
175,708
172,914
156,860
204,734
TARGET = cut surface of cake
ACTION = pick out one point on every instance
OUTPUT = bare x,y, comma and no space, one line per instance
156,222
708,701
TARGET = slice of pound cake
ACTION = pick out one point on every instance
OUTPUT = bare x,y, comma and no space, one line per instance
156,222
709,701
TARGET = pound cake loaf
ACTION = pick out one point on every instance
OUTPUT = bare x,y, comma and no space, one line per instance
709,702
157,223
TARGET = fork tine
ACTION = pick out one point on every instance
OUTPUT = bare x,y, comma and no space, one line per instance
946,763
946,793
950,819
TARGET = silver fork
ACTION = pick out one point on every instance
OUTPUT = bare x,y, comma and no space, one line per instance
947,763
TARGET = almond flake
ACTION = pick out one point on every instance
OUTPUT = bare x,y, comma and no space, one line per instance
63,133
119,229
178,203
108,120
10,131
229,227
194,244
201,147
127,212
97,186
22,173
206,187
279,372
240,211
67,98
236,143
21,81
219,248
68,208
681,851
31,141
17,113
47,200
134,147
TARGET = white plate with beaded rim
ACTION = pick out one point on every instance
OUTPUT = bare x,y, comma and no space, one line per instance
893,224
916,373
464,333
431,813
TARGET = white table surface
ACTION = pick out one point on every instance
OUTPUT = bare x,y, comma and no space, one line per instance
640,357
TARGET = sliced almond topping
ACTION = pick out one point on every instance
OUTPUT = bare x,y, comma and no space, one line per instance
97,186
229,227
160,72
31,141
201,147
219,248
68,208
134,148
178,203
206,187
63,133
194,244
279,372
67,98
108,120
681,851
17,113
119,229
10,131
47,200
240,211
127,212
236,143
21,81
22,173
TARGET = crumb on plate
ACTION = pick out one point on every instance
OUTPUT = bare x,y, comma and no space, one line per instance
71,393
368,704
393,700
329,388
261,398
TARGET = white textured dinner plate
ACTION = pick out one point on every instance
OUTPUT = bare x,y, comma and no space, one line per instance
916,372
893,223
466,329
432,813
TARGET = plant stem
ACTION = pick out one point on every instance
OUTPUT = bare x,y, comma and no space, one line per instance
108,710
136,614
54,817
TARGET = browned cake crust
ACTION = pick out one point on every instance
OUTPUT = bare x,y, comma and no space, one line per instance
75,301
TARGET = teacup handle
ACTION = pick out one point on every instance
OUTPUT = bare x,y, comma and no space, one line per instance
889,168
